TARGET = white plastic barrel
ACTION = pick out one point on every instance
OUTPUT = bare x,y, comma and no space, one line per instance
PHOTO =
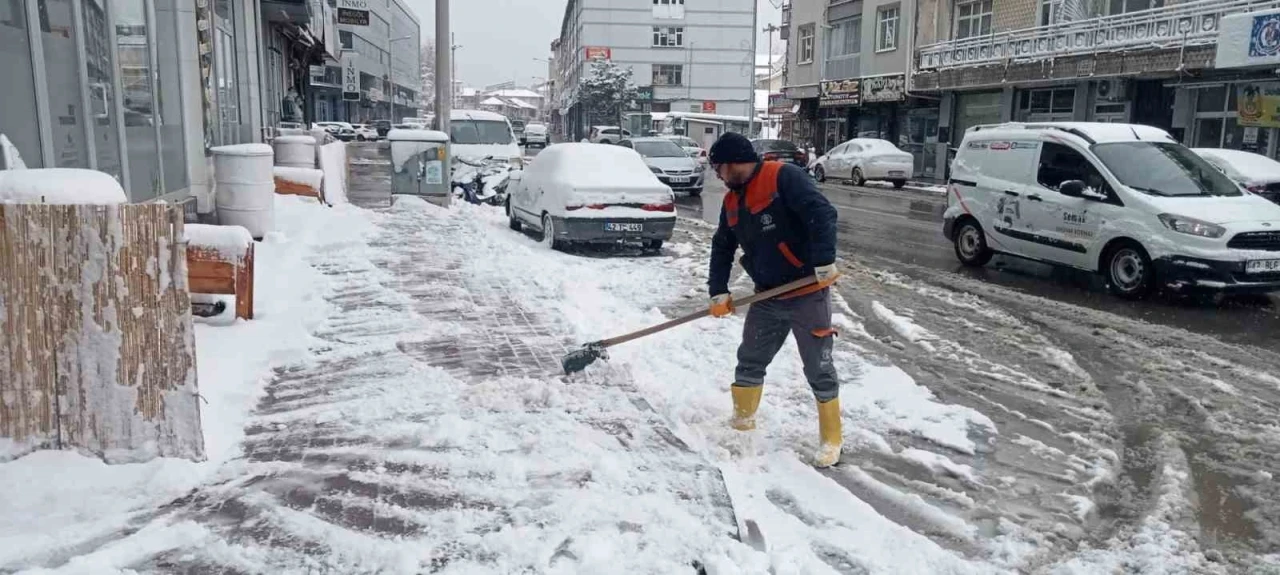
296,151
244,187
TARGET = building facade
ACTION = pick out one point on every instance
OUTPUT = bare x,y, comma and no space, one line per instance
387,57
693,56
846,76
1202,71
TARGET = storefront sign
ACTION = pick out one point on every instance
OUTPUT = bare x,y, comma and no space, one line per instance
350,77
779,104
1248,39
598,53
1259,105
839,93
353,12
644,94
708,107
884,89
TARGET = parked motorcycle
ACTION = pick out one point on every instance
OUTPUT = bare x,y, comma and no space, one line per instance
481,181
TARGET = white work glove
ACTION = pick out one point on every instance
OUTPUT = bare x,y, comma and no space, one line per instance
826,275
721,305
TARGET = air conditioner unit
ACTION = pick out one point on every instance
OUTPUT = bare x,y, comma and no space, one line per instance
1111,90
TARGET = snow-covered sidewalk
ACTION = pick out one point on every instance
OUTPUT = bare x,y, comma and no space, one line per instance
398,407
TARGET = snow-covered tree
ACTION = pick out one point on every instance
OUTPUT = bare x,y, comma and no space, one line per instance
606,91
427,67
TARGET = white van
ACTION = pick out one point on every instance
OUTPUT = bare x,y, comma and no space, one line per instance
476,135
1123,200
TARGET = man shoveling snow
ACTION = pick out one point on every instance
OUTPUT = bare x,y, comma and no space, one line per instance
787,231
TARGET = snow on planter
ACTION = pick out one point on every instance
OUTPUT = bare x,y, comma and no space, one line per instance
298,181
60,186
230,242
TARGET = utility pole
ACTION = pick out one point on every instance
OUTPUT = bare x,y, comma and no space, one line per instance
770,29
751,76
444,86
453,57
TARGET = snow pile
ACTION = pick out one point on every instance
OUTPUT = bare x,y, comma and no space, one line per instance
231,242
60,186
309,177
53,503
10,159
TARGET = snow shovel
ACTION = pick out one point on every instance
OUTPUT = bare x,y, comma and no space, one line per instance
579,359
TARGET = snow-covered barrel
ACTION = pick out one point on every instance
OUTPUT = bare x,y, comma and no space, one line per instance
244,185
296,151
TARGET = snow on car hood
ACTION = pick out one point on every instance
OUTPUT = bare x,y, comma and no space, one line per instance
672,163
1219,209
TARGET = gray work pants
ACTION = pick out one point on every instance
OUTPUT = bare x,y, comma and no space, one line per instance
769,322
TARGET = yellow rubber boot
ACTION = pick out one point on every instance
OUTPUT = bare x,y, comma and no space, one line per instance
830,434
745,402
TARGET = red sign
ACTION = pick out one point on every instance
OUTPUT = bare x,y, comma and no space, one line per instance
598,52
708,107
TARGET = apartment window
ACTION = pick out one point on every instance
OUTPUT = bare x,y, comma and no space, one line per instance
844,43
973,19
1050,12
344,38
668,75
668,9
805,53
887,29
1127,6
668,37
668,2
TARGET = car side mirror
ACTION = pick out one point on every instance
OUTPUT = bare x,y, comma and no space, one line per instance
1072,188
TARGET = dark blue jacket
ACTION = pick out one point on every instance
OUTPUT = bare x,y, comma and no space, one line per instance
783,224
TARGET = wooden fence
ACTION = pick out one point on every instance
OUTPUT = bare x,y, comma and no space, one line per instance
97,349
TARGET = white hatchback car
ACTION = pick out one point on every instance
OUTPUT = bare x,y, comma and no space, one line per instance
1256,172
862,159
597,193
1122,200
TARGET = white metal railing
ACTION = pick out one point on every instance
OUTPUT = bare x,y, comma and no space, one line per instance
1187,24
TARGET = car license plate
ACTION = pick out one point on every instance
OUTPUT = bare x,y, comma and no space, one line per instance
679,180
617,227
898,173
1262,266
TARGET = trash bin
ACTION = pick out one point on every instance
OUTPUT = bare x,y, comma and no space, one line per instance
420,164
295,151
244,187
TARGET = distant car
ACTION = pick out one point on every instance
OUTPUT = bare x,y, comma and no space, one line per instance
862,159
477,135
697,152
340,130
382,126
517,127
607,134
365,133
781,151
669,162
535,134
1257,173
564,195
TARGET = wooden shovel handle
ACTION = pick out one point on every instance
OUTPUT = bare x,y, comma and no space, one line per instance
748,300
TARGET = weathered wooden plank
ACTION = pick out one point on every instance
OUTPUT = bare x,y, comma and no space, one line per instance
27,385
244,285
181,432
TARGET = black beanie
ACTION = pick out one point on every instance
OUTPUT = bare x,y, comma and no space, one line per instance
733,148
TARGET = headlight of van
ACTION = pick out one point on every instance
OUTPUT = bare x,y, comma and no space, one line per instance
1183,224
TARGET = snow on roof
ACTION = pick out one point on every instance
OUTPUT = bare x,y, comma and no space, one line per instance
522,104
516,93
480,115
403,135
595,166
493,102
60,186
468,92
1254,167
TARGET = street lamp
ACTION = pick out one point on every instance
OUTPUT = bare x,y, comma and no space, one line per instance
391,83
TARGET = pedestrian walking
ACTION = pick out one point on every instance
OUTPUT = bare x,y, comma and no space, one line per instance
787,231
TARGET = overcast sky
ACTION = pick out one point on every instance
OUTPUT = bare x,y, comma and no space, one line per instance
499,39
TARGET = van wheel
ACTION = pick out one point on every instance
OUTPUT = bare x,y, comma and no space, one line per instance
514,222
819,174
858,180
1128,270
971,245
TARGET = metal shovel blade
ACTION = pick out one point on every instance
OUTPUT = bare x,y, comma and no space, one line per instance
579,359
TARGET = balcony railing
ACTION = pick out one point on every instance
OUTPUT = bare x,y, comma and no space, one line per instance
1187,24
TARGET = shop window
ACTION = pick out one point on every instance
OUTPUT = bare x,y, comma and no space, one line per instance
102,97
133,56
173,149
62,77
973,18
1046,105
1215,124
975,110
19,121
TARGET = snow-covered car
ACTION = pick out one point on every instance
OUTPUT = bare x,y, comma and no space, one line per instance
607,134
477,135
862,159
780,151
695,151
365,133
1123,200
340,130
669,162
535,134
582,192
1256,172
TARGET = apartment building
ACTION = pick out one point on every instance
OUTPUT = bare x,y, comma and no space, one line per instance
846,76
385,48
696,58
1204,71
